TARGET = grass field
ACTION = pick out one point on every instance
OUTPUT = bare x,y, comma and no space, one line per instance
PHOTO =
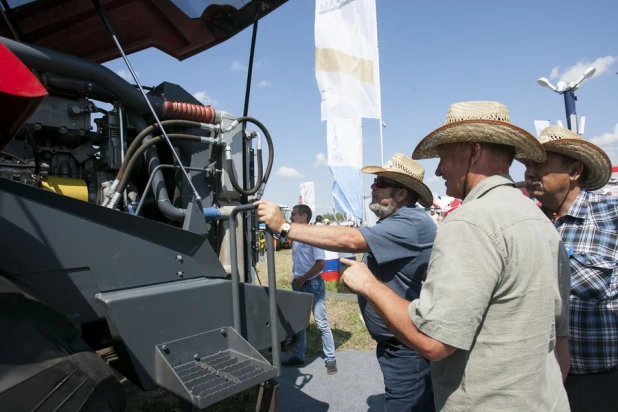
348,329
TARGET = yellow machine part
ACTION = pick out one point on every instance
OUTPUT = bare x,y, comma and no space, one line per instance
75,188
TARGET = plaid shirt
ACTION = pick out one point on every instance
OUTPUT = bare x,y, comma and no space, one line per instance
589,231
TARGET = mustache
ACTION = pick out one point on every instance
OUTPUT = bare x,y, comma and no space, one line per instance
533,183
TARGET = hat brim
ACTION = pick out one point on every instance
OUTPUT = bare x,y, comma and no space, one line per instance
597,163
527,147
425,196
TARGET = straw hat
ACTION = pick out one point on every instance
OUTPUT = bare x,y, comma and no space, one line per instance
566,142
407,172
480,121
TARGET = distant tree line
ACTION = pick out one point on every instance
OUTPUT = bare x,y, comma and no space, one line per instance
339,216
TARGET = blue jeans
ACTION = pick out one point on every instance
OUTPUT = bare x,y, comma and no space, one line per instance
317,288
407,381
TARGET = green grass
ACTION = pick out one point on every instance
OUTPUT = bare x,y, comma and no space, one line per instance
346,324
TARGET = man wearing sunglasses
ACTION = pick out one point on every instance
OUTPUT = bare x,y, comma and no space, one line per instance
397,251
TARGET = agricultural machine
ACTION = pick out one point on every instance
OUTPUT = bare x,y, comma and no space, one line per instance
127,231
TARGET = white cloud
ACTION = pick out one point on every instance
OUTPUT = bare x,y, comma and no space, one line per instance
238,67
261,63
606,139
572,73
264,83
432,179
320,160
205,99
289,172
125,74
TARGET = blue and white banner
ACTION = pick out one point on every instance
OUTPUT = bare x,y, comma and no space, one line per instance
348,76
344,139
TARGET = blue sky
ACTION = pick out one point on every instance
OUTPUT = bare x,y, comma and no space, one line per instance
432,54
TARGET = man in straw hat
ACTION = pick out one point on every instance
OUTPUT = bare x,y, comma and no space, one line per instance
397,251
588,225
491,307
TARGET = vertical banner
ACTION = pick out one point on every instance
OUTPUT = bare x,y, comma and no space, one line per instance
345,156
346,59
307,195
348,77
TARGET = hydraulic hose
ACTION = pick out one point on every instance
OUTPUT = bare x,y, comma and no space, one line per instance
138,139
136,156
158,186
143,148
262,179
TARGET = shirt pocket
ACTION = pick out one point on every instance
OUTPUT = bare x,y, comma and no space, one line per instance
591,276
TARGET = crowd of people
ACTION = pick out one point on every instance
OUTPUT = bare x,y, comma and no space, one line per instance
505,303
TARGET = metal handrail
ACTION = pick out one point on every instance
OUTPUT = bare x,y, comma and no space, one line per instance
272,284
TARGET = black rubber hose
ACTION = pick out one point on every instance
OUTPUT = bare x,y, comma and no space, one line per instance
262,179
174,136
138,139
159,189
46,60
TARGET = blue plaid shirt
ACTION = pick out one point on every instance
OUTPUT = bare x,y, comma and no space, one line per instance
589,231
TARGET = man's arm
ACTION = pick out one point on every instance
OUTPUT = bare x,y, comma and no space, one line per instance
564,358
334,238
562,321
393,310
317,267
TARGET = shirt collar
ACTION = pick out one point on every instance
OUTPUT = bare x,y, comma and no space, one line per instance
579,208
488,184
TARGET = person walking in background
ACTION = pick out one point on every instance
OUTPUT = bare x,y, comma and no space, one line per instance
308,263
588,225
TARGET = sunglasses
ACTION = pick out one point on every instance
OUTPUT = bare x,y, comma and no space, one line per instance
383,184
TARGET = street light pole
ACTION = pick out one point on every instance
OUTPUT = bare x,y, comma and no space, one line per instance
569,106
568,91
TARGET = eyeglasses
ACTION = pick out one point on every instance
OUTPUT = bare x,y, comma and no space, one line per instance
383,184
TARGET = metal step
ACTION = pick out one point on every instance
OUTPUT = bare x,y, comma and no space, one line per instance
207,368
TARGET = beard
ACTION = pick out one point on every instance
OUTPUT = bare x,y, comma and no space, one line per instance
383,211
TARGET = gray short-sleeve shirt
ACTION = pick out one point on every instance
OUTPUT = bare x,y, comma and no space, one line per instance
400,248
493,291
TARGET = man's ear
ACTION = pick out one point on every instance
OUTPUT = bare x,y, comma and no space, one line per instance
401,195
576,170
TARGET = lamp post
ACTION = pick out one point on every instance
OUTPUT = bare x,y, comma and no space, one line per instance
568,91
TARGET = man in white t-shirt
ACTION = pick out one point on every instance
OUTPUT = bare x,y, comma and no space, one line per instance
309,262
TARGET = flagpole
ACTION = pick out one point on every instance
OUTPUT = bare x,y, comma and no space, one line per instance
379,86
362,178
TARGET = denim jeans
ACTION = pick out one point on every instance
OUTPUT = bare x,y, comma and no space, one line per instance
317,288
407,379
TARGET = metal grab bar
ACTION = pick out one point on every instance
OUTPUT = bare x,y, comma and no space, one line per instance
272,284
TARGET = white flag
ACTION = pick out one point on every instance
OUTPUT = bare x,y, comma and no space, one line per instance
346,59
539,125
307,195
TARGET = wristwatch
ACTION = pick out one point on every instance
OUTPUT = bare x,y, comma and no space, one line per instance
285,228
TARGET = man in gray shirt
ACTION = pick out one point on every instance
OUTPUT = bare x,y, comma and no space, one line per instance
397,250
496,294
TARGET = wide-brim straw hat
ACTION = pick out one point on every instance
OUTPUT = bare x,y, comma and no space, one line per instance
407,172
480,121
568,143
